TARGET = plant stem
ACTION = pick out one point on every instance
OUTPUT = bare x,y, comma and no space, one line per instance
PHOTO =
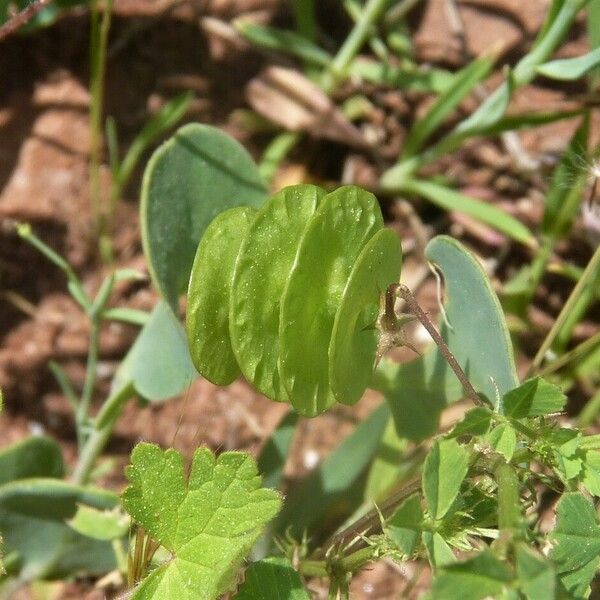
95,443
586,280
414,307
83,408
509,515
353,43
98,46
21,18
577,352
373,518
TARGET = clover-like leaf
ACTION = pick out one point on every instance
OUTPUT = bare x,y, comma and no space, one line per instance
476,333
354,340
533,398
265,260
404,528
157,374
445,468
209,291
195,175
503,439
208,523
535,573
576,536
273,578
341,226
483,576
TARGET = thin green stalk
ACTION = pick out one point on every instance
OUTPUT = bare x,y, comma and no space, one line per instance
65,385
306,23
97,440
509,513
586,280
89,383
112,406
399,11
24,231
353,43
357,560
579,310
574,354
279,147
313,568
95,109
98,50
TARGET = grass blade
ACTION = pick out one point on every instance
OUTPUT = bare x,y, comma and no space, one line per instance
450,199
463,84
286,42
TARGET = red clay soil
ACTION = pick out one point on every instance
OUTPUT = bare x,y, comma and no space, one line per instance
157,51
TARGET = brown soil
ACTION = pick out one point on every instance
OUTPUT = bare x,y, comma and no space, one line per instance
157,51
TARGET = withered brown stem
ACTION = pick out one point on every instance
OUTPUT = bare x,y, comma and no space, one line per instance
414,307
21,18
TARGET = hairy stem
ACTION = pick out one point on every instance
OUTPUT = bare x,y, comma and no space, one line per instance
509,515
22,18
414,307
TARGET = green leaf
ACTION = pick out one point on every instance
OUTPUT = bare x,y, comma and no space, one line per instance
535,574
189,180
265,261
331,488
209,294
475,422
158,363
463,83
99,524
404,527
273,579
591,472
577,582
570,69
479,577
354,339
489,112
32,521
208,522
593,29
576,536
533,398
283,41
503,439
438,551
343,223
478,338
33,457
489,214
444,470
